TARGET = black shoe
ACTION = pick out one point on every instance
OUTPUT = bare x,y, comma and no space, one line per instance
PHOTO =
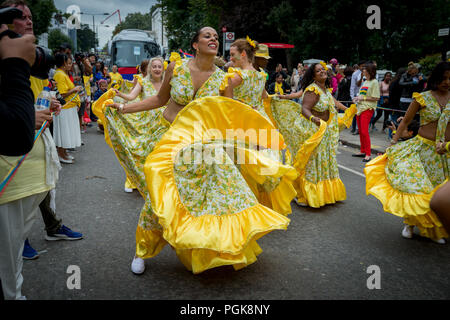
359,155
367,160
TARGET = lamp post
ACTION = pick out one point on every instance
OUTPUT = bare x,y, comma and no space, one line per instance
93,22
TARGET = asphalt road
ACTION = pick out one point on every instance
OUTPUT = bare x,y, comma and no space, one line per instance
324,254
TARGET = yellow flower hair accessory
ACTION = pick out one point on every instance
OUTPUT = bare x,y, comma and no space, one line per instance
324,65
165,65
252,43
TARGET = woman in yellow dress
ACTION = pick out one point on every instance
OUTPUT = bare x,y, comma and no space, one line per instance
311,131
204,209
247,85
135,127
405,178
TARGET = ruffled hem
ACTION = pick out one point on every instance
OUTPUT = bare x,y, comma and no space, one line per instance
414,208
208,241
320,194
98,107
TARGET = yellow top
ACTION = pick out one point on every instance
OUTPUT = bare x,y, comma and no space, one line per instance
64,85
30,177
116,80
325,102
37,85
431,110
87,84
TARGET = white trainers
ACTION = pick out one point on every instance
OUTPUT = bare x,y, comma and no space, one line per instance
408,232
301,204
138,266
439,241
129,190
65,160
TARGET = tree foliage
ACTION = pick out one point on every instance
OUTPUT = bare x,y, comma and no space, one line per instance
321,29
56,38
135,21
85,38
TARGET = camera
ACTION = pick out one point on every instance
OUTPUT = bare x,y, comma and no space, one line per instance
44,59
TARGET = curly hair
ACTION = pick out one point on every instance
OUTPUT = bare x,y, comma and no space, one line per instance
308,77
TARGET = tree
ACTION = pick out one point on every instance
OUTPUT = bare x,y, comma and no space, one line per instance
85,38
56,38
135,21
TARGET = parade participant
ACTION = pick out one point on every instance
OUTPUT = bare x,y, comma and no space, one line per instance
366,102
66,127
405,178
440,203
312,134
247,85
206,212
116,78
243,82
132,130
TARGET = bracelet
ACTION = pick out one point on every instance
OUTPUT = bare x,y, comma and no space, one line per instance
311,117
447,146
394,132
121,108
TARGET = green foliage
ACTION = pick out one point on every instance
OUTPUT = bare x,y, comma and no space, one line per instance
85,38
42,11
321,29
56,38
429,62
135,21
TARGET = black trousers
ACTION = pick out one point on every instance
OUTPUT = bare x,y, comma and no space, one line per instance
52,224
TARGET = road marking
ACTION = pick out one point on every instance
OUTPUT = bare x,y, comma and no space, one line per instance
352,171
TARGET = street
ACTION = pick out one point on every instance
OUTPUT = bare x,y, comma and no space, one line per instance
324,254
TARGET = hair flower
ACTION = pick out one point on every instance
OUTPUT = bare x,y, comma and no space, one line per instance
251,42
324,65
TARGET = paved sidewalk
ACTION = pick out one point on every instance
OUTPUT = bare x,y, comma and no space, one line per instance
379,140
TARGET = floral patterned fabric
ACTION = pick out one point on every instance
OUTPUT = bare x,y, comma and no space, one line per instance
182,91
321,168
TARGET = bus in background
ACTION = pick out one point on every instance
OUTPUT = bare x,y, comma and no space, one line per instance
129,48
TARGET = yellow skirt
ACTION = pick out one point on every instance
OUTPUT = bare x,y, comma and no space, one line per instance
205,208
405,179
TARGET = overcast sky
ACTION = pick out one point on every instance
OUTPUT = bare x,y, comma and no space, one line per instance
109,6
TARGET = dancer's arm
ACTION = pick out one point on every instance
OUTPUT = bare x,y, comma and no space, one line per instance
294,95
339,105
132,95
153,102
409,116
310,99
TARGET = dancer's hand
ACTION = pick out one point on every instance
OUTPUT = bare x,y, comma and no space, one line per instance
316,120
440,148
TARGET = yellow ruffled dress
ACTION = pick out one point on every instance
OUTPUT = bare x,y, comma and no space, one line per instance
406,177
313,148
250,91
199,201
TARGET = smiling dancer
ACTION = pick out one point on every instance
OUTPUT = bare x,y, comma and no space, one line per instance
205,210
311,131
405,178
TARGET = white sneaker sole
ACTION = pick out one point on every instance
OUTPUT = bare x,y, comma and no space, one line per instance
301,204
128,190
407,232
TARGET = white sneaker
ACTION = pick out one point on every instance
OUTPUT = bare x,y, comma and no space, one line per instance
129,190
65,161
408,232
138,266
439,241
70,157
301,204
